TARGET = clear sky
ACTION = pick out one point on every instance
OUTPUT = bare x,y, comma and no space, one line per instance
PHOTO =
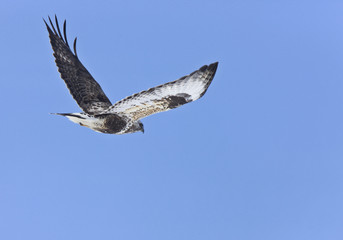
260,156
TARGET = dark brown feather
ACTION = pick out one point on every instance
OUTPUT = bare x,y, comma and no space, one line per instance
82,86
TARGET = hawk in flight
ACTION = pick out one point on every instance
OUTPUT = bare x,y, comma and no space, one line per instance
99,114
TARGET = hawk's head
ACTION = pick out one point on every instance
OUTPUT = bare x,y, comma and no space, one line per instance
136,127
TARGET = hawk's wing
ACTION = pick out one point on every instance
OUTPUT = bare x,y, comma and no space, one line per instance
82,86
167,96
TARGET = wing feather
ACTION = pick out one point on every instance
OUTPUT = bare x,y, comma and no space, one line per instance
167,96
82,86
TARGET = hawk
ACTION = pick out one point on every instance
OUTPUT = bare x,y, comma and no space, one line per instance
99,114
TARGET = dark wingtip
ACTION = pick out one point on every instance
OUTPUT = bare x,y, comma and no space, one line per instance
44,21
65,32
57,31
58,27
213,67
52,25
47,26
75,47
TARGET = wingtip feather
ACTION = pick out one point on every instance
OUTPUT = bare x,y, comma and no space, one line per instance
65,32
75,47
213,67
58,27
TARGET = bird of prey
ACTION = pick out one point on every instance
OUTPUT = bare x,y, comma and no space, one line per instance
124,116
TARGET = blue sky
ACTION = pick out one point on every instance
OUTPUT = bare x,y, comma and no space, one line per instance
258,157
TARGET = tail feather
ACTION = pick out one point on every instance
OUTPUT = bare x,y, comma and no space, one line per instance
69,115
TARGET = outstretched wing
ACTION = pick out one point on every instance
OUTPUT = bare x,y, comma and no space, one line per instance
167,96
82,86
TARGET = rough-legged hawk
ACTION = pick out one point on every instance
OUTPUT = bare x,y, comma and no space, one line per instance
124,116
